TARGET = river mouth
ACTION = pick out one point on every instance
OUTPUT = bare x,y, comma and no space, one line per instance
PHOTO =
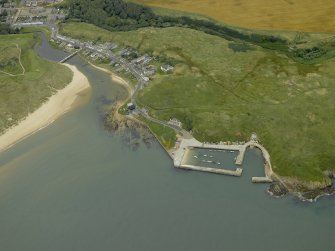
76,186
46,51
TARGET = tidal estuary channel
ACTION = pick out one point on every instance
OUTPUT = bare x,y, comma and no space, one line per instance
76,186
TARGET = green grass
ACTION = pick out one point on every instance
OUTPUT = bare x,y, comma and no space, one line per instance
123,110
165,135
21,95
31,29
9,60
226,95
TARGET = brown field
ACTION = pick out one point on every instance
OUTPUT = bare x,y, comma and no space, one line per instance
298,15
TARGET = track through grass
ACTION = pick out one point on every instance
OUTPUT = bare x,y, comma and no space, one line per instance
3,59
223,93
26,80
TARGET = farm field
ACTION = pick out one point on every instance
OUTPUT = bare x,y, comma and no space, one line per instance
26,80
298,15
224,90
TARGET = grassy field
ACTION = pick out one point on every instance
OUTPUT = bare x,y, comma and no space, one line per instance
224,90
165,135
299,15
10,60
23,93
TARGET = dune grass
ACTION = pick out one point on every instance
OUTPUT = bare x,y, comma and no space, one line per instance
22,94
223,92
10,60
298,15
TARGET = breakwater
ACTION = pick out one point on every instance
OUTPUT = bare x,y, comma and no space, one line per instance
181,156
75,186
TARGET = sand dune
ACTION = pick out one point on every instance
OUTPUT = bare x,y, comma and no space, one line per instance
57,105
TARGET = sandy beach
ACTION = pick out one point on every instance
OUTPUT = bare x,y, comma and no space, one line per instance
57,105
115,78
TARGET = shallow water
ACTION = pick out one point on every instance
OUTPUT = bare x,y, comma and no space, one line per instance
219,159
74,186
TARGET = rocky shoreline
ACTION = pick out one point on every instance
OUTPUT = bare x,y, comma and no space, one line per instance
277,189
132,131
305,191
135,132
314,195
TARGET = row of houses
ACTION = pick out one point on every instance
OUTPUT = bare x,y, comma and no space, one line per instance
143,60
40,2
128,58
8,5
31,3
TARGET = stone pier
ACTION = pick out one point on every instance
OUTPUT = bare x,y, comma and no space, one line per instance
237,172
187,144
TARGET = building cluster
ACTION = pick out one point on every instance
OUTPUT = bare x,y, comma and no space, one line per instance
7,10
166,68
31,3
175,122
126,58
32,13
40,2
8,5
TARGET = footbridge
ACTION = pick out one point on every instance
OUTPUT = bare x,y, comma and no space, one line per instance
69,56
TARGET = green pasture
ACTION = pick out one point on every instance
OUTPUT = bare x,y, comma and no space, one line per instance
22,94
224,90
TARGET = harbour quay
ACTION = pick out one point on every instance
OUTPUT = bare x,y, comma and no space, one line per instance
226,159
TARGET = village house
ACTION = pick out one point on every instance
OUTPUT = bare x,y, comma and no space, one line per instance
131,106
166,68
175,122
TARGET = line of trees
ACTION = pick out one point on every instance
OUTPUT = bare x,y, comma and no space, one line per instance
120,15
3,15
3,2
6,29
310,53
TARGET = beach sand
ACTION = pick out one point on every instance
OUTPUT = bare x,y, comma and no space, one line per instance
58,104
115,78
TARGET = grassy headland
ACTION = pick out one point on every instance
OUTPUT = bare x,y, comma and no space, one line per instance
23,91
225,90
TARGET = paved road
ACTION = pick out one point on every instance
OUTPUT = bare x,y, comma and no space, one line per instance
133,69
